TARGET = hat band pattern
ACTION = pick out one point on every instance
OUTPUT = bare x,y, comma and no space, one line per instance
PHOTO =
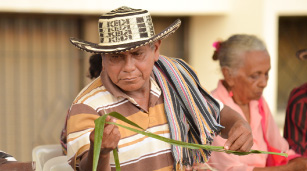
125,30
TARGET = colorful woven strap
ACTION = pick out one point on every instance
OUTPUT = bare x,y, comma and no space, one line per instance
193,115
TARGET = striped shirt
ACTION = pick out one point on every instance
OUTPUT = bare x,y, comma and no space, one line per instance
136,152
295,130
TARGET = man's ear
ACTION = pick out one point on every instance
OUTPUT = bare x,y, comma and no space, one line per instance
228,75
157,45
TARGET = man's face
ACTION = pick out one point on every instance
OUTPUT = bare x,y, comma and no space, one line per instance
252,77
131,70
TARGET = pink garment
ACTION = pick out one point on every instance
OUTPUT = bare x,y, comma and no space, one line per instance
223,161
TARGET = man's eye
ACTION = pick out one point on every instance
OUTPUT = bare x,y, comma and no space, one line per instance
115,58
136,54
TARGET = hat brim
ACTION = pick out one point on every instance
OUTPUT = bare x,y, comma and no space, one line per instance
96,48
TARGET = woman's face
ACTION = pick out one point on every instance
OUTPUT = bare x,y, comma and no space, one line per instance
251,78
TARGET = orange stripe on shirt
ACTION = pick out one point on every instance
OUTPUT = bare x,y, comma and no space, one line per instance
81,122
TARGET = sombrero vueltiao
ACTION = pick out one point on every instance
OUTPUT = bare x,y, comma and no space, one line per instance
124,29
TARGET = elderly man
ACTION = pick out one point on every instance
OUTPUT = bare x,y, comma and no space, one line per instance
161,94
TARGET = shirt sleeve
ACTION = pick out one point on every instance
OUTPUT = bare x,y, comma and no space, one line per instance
80,123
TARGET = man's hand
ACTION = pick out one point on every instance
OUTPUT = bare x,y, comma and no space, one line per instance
111,137
237,131
239,137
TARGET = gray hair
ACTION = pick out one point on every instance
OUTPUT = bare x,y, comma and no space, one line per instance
230,52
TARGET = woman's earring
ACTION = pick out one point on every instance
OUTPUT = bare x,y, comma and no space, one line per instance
230,94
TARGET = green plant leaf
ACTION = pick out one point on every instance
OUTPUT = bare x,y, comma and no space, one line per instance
99,127
195,146
115,154
122,118
100,122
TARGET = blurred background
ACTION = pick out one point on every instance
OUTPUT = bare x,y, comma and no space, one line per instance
41,72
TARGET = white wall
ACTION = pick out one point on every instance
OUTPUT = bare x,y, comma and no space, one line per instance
211,20
243,17
161,7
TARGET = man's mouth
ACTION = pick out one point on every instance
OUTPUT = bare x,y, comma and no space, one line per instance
129,78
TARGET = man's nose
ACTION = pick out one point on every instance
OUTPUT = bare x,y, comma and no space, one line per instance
129,64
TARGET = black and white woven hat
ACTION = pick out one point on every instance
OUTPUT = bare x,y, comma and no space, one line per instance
124,29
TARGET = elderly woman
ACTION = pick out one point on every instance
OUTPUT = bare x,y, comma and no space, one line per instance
245,64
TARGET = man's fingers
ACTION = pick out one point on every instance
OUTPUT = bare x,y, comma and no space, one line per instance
108,129
231,140
110,140
239,142
112,120
246,147
116,134
239,138
248,143
111,136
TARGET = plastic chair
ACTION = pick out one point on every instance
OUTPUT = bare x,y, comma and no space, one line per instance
43,153
57,164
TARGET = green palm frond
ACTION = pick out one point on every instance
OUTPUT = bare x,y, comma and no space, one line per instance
99,127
